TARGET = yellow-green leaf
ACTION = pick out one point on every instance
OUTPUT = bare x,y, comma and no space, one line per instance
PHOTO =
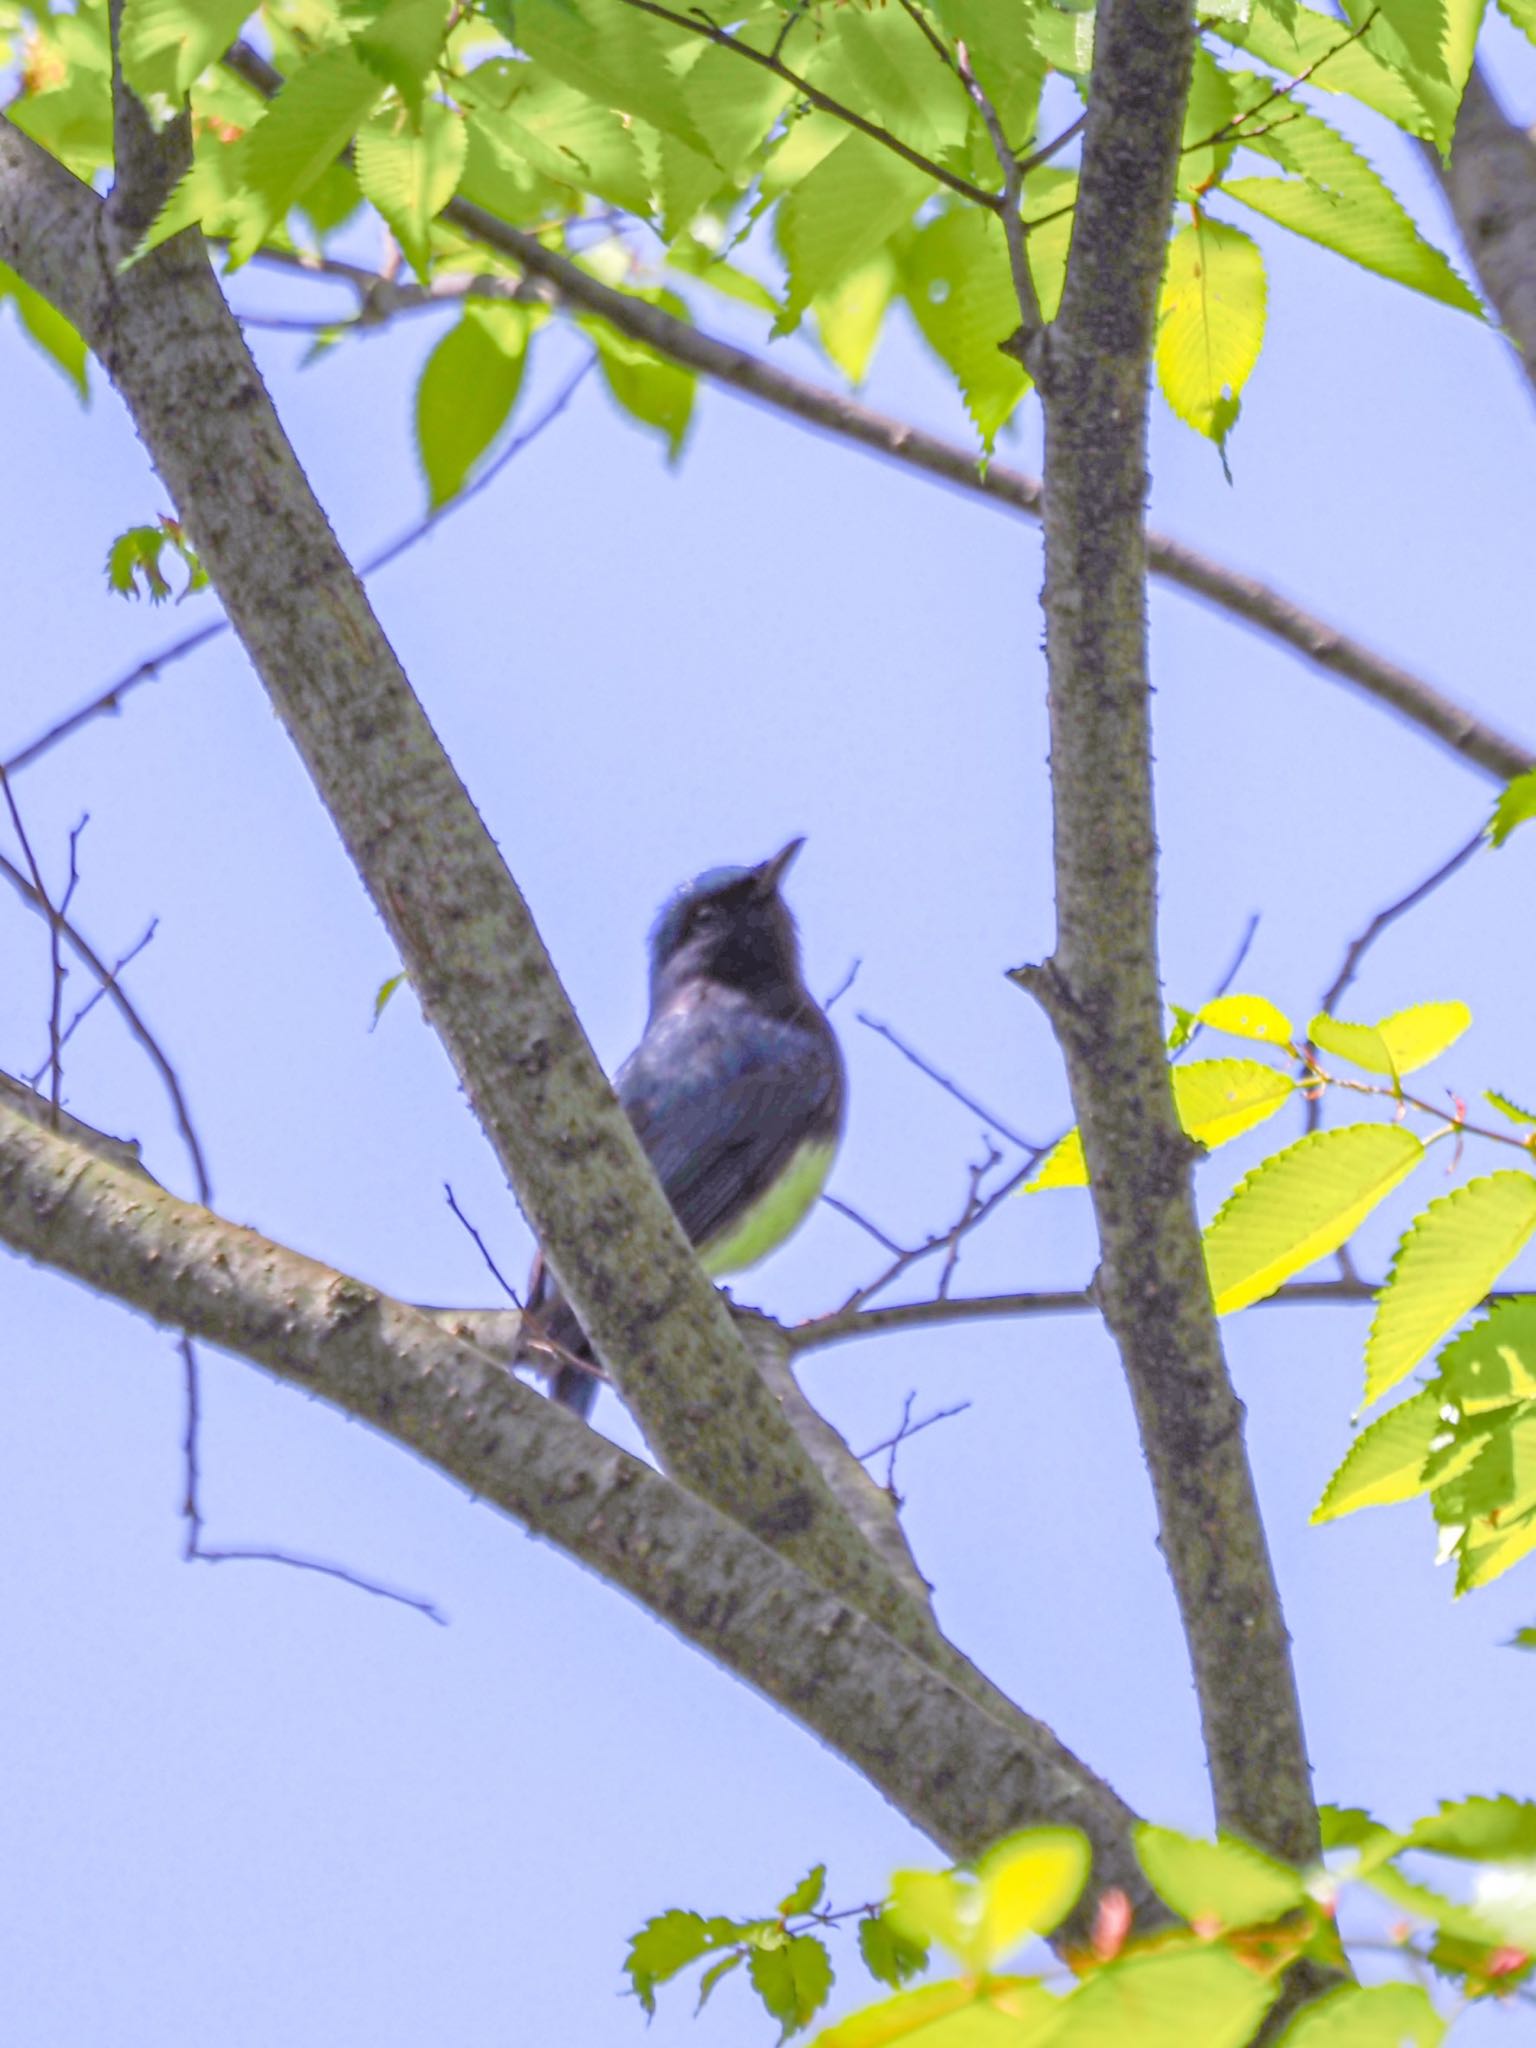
1397,1045
1301,1205
1216,1100
1385,1463
1446,1262
1225,1882
1173,2000
411,175
1516,804
166,43
851,316
1063,1166
1248,1017
1029,1883
1003,2012
1210,323
467,390
1368,2016
1493,1364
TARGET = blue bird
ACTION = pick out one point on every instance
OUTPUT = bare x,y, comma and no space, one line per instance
736,1090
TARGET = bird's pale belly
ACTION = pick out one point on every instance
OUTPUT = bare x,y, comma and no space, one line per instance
774,1215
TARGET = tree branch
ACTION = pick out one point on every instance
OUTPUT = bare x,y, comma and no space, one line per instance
961,1773
1490,185
1101,988
476,961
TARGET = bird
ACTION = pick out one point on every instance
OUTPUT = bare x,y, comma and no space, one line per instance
736,1090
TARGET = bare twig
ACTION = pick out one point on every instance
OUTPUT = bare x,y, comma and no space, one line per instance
54,916
1054,147
1361,944
1010,205
1226,981
96,994
943,1240
844,985
978,1174
147,670
950,1087
855,1216
491,1266
905,1429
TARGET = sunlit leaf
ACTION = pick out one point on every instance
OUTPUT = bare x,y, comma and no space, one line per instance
1301,1205
1210,324
1167,2001
411,174
466,394
806,1894
793,1979
1216,1101
1385,1463
841,214
1248,1017
654,392
1493,1364
890,1955
62,344
1446,1262
851,317
1226,1882
1002,2012
1516,805
1397,1045
1368,2016
957,282
402,43
298,137
166,43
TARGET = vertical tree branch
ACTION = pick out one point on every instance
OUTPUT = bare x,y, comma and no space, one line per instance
1102,987
1490,184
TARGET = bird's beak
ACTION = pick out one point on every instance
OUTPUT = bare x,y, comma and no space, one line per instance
772,872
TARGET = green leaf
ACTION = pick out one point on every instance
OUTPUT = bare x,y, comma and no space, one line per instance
1386,1461
714,1974
1430,43
1026,1885
999,2012
1248,1017
1297,39
1522,13
1301,1205
793,1980
1210,324
63,344
1516,805
1479,1829
1216,1101
615,55
806,1894
1368,2016
402,45
300,135
466,394
1492,1365
138,554
382,995
851,317
956,281
1397,1045
1506,1106
840,215
654,392
1445,1263
880,62
665,1945
1522,1639
1341,202
1224,1883
1171,2000
166,43
410,177
890,1956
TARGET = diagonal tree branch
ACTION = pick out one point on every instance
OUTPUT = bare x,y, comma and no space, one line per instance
959,1772
1101,987
169,342
1490,185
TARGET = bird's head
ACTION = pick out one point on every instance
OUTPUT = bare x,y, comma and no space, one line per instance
730,925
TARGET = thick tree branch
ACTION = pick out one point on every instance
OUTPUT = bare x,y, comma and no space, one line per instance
1490,185
170,344
1102,988
962,1774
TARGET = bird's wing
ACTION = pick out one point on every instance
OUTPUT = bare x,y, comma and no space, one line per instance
722,1098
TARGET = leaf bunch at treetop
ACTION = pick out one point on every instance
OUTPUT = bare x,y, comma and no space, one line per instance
1238,1920
1468,1438
833,165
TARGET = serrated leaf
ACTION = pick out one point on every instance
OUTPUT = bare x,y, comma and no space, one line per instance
1296,39
1340,201
1522,13
1216,1101
956,280
1516,806
1396,1045
402,45
793,1980
1062,1167
654,392
851,317
1225,1882
299,136
841,214
166,43
1167,2001
806,1894
1431,44
1493,1364
666,1944
880,62
62,344
1445,1263
1479,1828
1210,323
410,175
890,1956
1368,2016
614,54
1301,1205
466,394
1507,1106
1385,1463
1247,1017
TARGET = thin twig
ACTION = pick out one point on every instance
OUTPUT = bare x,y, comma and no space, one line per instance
1361,944
53,914
1011,207
907,1428
1047,150
1226,981
147,670
96,994
844,985
854,1216
491,1266
950,1087
943,1240
978,1174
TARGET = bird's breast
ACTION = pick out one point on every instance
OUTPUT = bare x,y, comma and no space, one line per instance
774,1215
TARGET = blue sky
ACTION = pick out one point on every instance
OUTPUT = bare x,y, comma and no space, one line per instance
265,1807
